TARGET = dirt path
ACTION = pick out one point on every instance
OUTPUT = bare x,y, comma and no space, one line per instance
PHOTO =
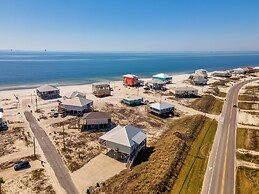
247,164
52,155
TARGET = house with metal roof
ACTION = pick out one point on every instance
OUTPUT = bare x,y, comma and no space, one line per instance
125,141
101,89
95,121
163,77
74,94
198,79
76,106
221,74
185,92
47,91
156,84
161,109
133,100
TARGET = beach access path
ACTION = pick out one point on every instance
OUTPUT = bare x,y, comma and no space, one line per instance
51,155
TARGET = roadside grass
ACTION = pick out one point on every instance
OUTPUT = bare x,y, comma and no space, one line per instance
191,175
208,104
247,181
248,105
221,83
243,97
216,91
164,159
247,139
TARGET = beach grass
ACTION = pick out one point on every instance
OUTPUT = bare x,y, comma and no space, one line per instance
247,139
208,104
166,157
191,175
247,181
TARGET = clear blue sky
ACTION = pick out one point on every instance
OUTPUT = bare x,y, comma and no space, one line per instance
130,25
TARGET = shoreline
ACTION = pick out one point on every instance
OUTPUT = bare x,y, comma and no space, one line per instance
34,86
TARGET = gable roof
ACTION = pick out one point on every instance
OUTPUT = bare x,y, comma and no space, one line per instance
127,136
74,94
161,105
162,75
47,88
77,101
97,115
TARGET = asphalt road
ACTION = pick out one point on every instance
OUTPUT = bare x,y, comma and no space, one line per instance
221,169
51,155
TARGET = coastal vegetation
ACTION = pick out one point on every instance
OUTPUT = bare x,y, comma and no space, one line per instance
248,105
208,104
247,180
191,175
248,97
216,91
248,139
166,157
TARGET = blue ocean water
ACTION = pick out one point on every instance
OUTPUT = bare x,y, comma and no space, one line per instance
23,69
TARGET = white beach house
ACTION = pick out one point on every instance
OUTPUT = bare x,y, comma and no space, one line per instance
185,92
125,141
76,106
161,109
198,79
202,72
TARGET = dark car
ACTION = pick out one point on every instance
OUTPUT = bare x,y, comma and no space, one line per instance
235,105
63,115
146,88
55,114
22,165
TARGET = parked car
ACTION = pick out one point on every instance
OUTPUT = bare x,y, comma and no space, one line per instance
22,165
63,115
146,88
55,114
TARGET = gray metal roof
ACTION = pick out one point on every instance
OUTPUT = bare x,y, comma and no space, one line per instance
161,105
47,88
127,136
77,101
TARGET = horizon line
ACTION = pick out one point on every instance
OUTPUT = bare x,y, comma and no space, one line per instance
124,51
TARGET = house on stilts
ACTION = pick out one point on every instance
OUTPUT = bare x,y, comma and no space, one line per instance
125,142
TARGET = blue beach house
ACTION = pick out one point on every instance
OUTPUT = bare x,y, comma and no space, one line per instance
163,77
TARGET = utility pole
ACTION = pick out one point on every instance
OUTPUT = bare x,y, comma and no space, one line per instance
64,145
36,100
34,152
